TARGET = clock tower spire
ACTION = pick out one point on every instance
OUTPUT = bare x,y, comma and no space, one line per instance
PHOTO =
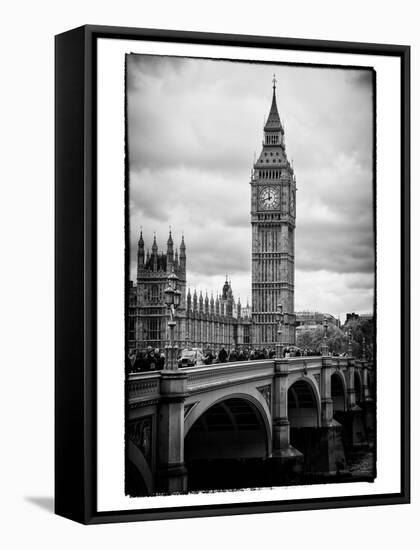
273,220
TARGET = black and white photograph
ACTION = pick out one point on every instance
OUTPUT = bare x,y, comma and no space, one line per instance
208,315
250,283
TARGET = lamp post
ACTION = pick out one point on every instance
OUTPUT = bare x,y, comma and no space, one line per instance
350,346
285,323
324,347
363,349
279,319
172,300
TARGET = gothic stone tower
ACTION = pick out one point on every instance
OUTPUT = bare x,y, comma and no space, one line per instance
153,271
273,215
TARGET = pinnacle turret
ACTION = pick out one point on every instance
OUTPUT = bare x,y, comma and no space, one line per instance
273,128
170,248
273,121
182,255
225,289
140,253
154,245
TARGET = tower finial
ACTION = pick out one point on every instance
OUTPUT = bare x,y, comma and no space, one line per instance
154,250
274,81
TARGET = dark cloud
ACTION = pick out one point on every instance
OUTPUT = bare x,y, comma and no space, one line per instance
362,77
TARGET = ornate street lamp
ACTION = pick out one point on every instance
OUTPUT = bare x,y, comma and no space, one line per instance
285,322
324,347
350,346
363,349
172,301
279,319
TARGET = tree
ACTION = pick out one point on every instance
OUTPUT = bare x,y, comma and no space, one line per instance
313,339
362,328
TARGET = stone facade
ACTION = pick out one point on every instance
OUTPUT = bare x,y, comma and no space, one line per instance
273,215
200,320
312,319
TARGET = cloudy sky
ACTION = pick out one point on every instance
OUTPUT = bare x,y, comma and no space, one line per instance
193,128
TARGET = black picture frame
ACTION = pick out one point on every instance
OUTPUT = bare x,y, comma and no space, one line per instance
76,272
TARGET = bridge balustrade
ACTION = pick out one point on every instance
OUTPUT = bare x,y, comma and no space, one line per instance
144,385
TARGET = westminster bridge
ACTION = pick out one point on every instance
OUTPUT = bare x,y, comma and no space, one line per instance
298,414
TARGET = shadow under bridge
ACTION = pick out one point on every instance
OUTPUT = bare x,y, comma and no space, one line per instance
227,446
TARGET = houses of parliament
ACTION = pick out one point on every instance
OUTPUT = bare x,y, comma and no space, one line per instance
220,320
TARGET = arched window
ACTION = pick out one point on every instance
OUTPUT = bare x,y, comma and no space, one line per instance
155,293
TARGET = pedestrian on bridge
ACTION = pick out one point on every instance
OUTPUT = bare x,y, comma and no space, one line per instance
152,360
161,361
223,355
208,356
241,355
233,355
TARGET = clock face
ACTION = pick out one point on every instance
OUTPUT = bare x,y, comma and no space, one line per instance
269,198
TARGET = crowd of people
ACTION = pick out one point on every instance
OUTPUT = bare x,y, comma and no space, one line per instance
252,354
144,361
154,359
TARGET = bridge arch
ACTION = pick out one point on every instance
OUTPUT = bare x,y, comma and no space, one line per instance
338,391
233,425
138,476
304,403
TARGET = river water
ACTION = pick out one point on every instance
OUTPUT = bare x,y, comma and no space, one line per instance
240,474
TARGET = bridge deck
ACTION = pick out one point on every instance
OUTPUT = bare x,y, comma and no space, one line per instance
145,386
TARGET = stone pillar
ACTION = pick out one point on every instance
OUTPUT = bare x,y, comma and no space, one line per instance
326,400
352,420
368,405
283,455
171,471
326,442
365,388
351,394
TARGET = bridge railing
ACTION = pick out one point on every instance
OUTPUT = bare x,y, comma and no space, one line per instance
339,361
143,386
236,371
299,363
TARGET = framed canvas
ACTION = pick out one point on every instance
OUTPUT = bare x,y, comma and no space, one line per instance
232,274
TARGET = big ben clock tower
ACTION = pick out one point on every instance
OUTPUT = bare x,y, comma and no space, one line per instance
273,215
